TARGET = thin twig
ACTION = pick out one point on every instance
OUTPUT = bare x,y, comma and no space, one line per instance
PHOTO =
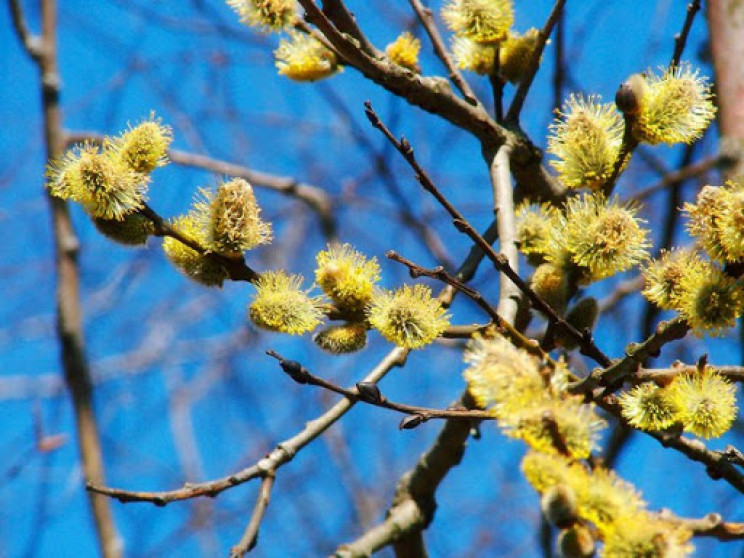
43,51
664,375
628,146
315,197
636,353
497,85
250,535
236,268
302,375
680,40
620,292
427,20
512,115
559,66
31,43
685,173
499,261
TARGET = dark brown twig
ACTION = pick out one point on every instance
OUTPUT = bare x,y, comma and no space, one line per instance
236,268
636,354
427,20
680,40
499,261
369,393
512,115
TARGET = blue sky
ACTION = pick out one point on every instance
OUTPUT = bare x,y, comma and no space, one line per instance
179,371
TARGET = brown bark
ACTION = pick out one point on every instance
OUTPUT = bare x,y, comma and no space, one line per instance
726,25
69,315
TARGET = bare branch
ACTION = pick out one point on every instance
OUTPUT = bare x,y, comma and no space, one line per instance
680,40
370,394
250,535
283,453
499,261
512,115
316,198
427,20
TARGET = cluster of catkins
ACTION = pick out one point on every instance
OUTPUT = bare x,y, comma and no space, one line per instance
707,292
301,56
409,317
591,505
483,40
110,182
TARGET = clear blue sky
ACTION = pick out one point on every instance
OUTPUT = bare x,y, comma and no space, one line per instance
179,372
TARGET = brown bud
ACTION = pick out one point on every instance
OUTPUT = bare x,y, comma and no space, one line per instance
410,422
558,505
369,392
576,542
630,94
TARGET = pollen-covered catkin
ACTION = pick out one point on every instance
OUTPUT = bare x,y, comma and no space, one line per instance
483,21
281,304
676,107
409,317
232,217
347,277
304,58
266,15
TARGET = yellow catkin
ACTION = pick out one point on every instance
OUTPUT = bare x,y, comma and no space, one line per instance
677,107
483,21
304,58
347,277
281,304
266,15
404,51
585,139
408,317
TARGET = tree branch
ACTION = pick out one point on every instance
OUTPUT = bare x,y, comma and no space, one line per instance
427,21
370,394
250,535
313,196
499,261
512,115
43,51
434,95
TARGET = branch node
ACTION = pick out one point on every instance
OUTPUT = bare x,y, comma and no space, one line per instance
369,392
411,421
